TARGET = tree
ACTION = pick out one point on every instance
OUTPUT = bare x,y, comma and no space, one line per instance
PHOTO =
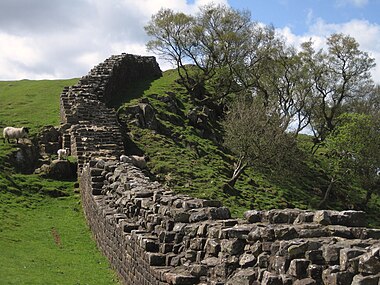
172,34
222,43
284,81
354,147
255,134
339,76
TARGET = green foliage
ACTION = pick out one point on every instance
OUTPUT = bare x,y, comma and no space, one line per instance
354,146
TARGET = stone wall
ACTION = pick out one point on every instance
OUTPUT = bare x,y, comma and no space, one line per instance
154,236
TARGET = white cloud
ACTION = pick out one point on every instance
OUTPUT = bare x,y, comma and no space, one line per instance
61,39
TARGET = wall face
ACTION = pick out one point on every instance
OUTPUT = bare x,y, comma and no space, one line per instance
153,236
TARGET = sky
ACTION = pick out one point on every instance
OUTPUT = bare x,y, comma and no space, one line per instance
55,39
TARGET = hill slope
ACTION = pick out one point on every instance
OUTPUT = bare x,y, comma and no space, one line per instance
183,140
43,234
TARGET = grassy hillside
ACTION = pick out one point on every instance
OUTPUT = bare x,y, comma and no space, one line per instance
43,235
186,161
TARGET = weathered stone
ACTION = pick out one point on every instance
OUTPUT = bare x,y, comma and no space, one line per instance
242,277
347,254
305,281
232,246
198,270
331,254
212,247
298,250
263,260
271,279
369,263
247,260
322,217
365,280
286,233
180,277
253,216
238,231
279,264
333,276
156,259
315,256
298,267
315,271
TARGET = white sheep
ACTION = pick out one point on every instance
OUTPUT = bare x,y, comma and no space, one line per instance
63,153
124,158
15,133
138,161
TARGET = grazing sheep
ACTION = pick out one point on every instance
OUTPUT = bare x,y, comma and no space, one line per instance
63,153
124,158
15,133
138,161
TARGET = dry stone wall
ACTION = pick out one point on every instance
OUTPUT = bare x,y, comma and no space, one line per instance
154,236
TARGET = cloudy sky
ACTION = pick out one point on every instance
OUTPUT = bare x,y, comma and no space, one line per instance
51,39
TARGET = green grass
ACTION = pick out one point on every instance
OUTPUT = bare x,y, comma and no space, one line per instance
32,103
44,238
193,165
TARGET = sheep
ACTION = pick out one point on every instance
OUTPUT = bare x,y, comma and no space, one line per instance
138,161
124,158
15,133
63,153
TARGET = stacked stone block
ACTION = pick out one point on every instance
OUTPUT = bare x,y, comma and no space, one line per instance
182,240
154,236
90,127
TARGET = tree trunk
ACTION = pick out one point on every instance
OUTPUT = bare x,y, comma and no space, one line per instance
236,176
327,193
239,169
368,196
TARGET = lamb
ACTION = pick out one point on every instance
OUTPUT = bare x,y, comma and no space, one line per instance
138,161
63,153
15,133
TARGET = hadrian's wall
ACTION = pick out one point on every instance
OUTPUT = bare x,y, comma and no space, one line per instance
154,236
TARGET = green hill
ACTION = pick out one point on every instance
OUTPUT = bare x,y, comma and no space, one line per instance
189,157
43,238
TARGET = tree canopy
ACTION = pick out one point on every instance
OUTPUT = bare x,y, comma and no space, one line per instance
273,90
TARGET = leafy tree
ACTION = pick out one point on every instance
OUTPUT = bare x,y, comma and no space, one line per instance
255,134
221,42
339,76
172,34
284,81
354,147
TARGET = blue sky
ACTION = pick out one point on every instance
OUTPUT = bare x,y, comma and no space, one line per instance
300,14
50,39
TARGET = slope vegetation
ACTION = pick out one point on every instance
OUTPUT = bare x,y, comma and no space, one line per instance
183,139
